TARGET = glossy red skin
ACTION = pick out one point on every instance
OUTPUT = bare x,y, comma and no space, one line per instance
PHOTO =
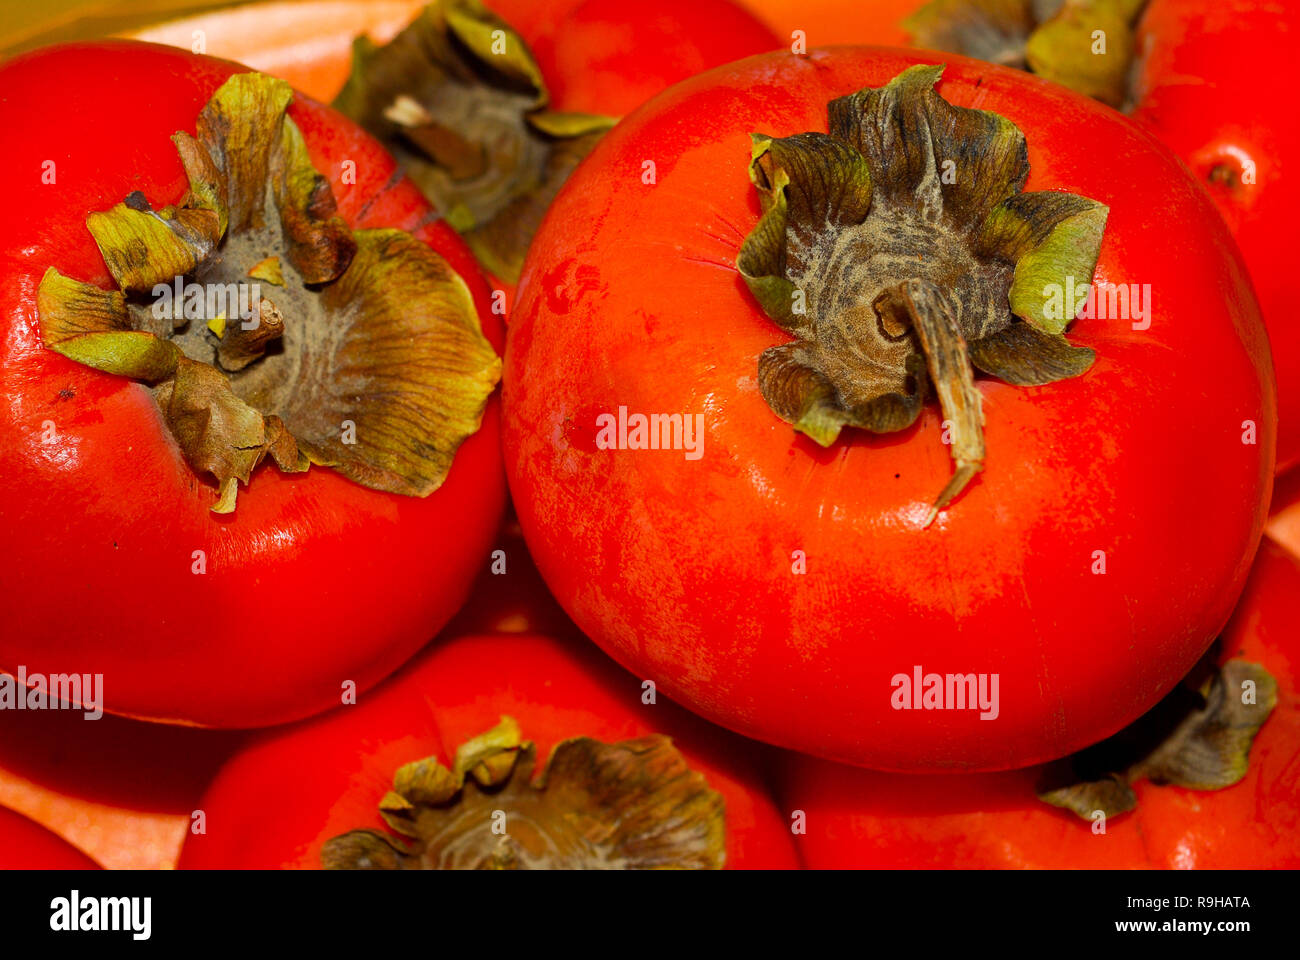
682,570
858,818
610,56
26,845
276,802
313,580
1214,84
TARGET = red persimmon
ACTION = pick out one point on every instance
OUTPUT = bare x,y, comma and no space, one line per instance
114,562
1211,84
289,795
29,846
609,56
489,117
857,818
782,584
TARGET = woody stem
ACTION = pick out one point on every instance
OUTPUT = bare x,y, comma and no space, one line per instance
933,318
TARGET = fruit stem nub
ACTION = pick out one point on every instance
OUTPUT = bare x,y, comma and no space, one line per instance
934,319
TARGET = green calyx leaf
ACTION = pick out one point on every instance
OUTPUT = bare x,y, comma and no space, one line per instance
494,44
398,291
561,125
991,30
69,308
1054,240
459,99
1198,737
810,177
141,356
899,252
381,368
1025,356
1086,45
143,247
630,805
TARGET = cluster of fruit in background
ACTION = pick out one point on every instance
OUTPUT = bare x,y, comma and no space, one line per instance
646,403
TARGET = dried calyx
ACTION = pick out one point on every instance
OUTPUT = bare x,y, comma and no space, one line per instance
633,805
459,100
1198,737
265,326
900,253
1086,45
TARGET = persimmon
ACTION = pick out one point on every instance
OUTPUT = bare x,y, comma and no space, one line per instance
490,118
235,513
795,405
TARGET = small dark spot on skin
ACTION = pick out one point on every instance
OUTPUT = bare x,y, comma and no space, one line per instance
897,475
114,544
1221,174
67,393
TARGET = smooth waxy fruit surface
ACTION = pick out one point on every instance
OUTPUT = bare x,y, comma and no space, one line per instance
779,587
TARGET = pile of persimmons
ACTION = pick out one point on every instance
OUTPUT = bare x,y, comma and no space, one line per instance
708,433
